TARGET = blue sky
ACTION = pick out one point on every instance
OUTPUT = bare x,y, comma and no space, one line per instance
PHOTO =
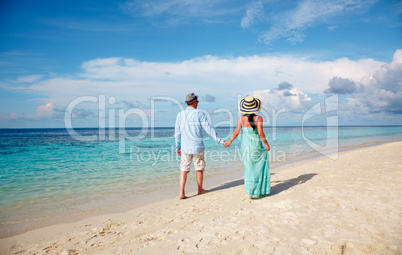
291,54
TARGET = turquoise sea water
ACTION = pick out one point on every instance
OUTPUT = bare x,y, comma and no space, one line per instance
48,172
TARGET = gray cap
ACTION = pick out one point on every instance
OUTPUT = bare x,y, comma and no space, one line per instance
191,98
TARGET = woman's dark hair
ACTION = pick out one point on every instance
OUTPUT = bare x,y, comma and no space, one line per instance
250,120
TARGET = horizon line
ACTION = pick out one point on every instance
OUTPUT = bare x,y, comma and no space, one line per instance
161,127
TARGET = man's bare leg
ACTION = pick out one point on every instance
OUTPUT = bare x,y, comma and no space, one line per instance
200,179
183,179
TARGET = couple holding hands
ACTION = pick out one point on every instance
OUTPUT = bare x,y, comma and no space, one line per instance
190,146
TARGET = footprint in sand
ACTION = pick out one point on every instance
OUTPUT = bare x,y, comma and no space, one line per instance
291,218
182,244
308,242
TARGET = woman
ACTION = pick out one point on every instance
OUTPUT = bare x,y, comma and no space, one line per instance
254,155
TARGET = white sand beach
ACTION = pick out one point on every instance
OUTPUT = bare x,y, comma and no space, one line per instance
352,205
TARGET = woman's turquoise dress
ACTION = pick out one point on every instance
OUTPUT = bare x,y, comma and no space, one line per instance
256,163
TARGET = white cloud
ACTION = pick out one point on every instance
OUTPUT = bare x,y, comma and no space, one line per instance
332,28
45,110
284,81
255,12
281,20
29,78
86,24
291,23
178,11
389,77
382,91
129,79
289,98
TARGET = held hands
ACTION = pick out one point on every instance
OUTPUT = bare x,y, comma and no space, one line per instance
179,152
227,144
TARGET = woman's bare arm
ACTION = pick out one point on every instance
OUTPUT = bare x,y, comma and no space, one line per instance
236,132
260,130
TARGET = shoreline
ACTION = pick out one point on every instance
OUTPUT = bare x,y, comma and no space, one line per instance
211,181
313,155
324,203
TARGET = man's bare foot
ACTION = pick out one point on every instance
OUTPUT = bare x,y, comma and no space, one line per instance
202,191
183,197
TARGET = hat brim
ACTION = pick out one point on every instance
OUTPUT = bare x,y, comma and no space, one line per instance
249,110
192,101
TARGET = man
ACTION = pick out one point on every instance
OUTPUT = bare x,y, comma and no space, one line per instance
189,141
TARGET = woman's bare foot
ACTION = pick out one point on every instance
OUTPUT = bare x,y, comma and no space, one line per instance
183,197
202,191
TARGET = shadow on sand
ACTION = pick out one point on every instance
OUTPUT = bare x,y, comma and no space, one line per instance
287,184
231,184
227,185
278,188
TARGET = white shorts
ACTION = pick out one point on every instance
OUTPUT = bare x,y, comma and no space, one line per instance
199,162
